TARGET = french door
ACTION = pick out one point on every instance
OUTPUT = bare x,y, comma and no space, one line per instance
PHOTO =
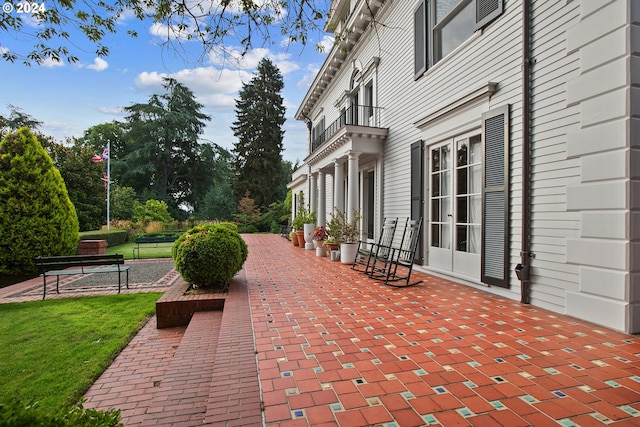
455,203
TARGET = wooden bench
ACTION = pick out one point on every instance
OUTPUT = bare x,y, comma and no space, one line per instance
80,264
145,240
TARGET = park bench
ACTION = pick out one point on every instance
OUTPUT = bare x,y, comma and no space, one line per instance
80,264
155,240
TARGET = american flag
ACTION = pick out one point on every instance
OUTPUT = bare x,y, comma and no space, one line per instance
101,157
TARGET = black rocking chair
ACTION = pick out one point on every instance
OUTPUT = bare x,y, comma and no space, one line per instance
367,251
401,256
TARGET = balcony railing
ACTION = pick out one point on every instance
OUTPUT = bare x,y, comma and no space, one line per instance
357,115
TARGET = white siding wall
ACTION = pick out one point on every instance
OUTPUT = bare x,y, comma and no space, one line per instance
552,172
602,146
584,116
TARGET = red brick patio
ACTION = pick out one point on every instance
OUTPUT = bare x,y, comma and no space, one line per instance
303,341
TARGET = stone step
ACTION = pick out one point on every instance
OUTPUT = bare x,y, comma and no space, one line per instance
181,396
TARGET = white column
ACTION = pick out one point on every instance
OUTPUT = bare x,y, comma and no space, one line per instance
313,193
352,185
338,185
322,199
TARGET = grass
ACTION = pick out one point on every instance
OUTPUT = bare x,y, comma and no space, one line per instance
52,351
146,251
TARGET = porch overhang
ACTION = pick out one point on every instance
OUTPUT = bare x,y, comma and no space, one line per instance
350,138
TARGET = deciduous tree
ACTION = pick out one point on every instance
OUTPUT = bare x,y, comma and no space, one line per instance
64,27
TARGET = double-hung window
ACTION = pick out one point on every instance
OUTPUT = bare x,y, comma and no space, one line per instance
440,26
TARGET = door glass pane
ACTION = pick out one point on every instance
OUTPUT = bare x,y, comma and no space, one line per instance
468,191
441,202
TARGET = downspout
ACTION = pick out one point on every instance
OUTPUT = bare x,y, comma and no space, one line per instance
523,270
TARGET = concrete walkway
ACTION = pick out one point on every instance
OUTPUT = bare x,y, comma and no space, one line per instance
304,341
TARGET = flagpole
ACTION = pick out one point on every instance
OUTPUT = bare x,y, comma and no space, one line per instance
108,184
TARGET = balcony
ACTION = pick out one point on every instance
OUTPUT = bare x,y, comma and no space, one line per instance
356,115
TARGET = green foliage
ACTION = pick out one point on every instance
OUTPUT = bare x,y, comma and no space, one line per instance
209,255
162,158
219,203
303,216
213,28
16,119
260,114
83,179
343,230
14,413
114,237
36,214
152,210
248,214
123,200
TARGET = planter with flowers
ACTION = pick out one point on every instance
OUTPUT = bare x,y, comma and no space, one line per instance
319,237
346,233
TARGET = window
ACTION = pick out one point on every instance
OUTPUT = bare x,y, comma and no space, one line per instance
368,100
317,134
440,26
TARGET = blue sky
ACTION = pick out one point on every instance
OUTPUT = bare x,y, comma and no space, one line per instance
70,98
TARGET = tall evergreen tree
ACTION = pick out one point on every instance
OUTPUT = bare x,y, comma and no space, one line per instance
260,115
163,157
36,215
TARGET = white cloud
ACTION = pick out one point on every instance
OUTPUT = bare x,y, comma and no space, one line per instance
115,111
99,64
165,32
327,43
51,63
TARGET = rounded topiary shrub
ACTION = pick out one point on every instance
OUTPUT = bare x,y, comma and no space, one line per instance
210,255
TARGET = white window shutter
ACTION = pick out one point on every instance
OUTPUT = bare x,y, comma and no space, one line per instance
487,11
495,198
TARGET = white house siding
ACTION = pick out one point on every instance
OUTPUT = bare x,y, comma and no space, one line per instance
585,140
604,144
552,171
406,101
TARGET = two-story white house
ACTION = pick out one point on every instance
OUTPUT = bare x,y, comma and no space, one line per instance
511,127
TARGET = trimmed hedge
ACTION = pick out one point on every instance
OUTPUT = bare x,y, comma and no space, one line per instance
210,255
113,237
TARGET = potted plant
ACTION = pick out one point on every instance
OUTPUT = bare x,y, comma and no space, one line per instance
346,233
293,237
319,236
304,219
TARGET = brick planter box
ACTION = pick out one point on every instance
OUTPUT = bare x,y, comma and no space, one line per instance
176,309
92,247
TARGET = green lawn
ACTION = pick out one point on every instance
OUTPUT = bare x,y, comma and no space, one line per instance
146,251
52,351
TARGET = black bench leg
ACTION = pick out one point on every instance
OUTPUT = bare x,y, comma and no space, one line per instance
44,287
57,284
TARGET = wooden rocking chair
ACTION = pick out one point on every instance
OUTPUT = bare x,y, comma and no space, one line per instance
367,251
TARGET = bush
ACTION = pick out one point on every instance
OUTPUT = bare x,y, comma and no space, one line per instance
36,214
14,413
209,255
